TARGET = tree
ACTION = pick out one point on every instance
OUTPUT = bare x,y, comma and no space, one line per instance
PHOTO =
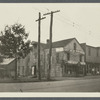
13,42
1,59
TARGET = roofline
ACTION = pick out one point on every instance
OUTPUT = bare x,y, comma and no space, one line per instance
37,42
89,45
60,41
63,40
10,62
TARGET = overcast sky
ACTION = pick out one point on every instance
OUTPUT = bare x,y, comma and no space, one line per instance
79,20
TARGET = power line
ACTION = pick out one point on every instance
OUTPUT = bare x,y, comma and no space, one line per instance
63,18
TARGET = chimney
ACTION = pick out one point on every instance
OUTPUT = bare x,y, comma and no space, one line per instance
48,41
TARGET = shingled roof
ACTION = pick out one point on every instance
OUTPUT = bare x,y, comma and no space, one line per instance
61,43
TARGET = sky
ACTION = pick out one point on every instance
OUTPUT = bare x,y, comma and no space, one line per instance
75,20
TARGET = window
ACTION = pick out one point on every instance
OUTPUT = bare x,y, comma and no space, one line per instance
80,58
68,56
97,52
48,57
35,55
89,51
57,57
74,46
35,46
41,57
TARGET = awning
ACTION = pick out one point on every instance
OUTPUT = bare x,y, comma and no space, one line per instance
72,62
75,62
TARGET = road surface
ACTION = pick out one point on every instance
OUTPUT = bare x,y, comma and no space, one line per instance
85,85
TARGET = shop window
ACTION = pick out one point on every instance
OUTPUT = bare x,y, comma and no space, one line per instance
68,56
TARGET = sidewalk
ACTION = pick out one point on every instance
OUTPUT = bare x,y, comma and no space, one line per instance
77,78
30,79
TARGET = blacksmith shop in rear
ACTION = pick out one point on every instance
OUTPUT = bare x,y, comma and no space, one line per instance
92,59
67,58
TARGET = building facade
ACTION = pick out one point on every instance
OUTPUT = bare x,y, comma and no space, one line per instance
92,59
28,66
67,58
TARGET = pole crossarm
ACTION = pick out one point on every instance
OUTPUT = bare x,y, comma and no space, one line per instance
40,19
51,12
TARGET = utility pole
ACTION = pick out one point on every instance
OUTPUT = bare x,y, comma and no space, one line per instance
39,35
50,43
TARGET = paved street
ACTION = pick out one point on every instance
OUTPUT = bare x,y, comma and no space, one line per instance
72,85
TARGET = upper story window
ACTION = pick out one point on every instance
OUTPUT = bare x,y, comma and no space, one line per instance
48,57
57,57
74,46
35,46
80,58
89,51
68,56
97,52
35,55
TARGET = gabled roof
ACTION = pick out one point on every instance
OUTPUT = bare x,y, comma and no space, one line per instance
83,46
61,43
7,61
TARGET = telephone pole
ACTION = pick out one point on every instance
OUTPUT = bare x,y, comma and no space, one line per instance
39,35
50,43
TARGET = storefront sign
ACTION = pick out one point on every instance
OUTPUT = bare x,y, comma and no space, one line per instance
72,62
59,49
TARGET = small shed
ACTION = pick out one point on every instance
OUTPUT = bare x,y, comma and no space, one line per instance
7,68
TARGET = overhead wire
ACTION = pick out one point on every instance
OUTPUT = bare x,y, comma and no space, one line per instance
63,18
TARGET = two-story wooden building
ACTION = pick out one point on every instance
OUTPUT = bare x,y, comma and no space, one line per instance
92,59
67,58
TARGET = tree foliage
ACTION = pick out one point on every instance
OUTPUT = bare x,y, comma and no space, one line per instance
13,41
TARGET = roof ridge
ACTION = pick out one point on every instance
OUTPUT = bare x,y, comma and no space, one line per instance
64,40
61,43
